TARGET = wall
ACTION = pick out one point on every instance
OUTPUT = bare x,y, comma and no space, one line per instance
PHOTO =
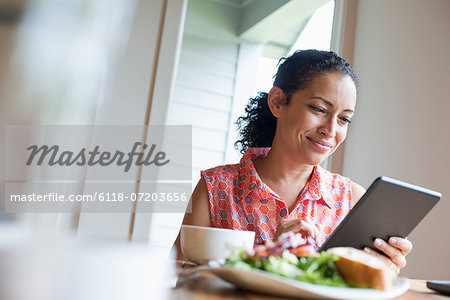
401,127
203,97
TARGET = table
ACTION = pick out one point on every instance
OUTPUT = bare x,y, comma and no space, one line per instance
205,286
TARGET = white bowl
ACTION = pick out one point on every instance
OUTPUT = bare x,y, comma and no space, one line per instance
201,244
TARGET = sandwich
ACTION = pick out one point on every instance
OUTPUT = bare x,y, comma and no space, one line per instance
362,269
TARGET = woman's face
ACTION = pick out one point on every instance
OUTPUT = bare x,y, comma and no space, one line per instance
315,121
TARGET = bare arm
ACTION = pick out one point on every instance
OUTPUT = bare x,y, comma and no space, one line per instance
357,192
200,215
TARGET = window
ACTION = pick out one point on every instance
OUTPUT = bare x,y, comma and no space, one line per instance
315,35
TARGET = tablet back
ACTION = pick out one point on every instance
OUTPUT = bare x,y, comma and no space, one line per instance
388,208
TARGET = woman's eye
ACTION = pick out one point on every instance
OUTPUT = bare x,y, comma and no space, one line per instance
346,120
318,109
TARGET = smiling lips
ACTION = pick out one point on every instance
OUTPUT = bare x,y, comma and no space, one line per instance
320,145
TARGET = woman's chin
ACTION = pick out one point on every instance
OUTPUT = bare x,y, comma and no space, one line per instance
317,160
312,158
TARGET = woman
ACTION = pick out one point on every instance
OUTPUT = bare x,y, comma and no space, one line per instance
303,119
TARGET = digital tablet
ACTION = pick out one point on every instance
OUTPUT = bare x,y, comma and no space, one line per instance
441,286
388,208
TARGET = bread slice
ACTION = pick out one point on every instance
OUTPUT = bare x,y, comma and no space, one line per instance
360,268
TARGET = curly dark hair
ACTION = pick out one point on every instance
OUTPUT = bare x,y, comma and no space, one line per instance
257,126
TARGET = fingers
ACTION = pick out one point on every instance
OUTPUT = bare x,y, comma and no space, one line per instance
395,254
297,225
320,239
404,245
304,226
386,260
311,227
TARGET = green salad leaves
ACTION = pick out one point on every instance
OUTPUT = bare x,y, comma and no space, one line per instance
318,270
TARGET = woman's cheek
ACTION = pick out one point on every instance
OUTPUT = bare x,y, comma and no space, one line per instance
342,134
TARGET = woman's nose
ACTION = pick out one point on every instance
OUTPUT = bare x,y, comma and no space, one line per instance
328,129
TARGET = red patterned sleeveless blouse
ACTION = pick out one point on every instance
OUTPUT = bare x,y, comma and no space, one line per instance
240,200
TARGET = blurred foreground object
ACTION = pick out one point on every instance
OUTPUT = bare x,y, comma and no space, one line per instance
37,265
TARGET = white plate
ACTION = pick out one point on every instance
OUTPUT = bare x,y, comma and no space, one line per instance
268,283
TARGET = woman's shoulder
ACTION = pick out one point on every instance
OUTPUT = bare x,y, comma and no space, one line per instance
357,192
223,171
356,189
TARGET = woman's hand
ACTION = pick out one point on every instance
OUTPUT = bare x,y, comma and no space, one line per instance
397,249
304,226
